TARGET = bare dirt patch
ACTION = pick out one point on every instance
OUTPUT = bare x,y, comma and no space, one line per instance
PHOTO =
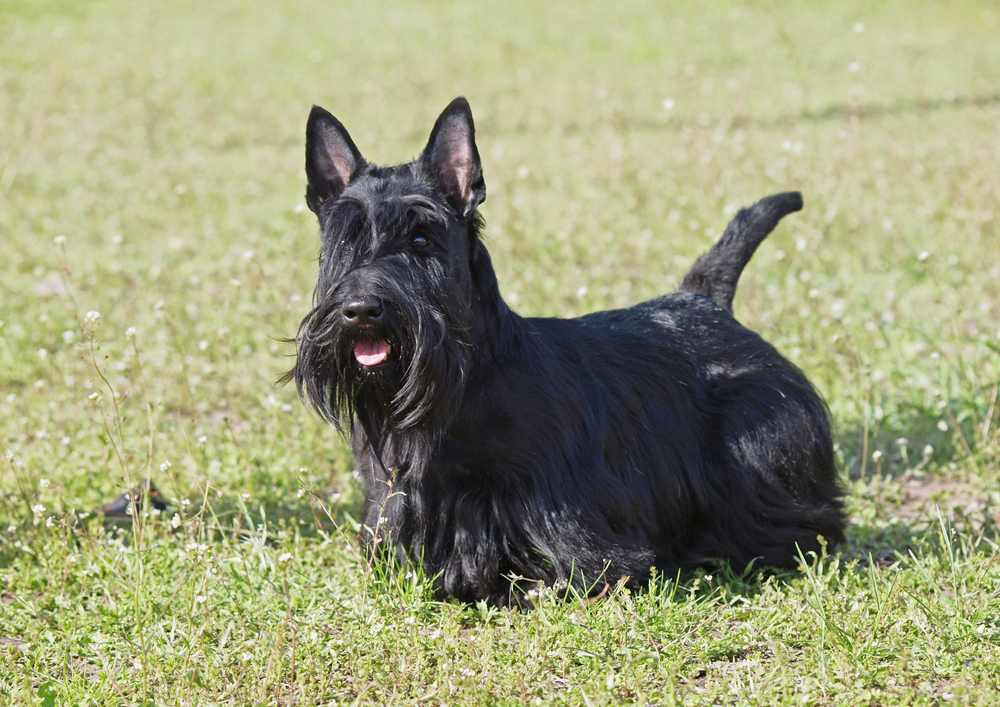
956,499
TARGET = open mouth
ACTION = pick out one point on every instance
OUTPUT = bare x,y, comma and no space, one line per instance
372,354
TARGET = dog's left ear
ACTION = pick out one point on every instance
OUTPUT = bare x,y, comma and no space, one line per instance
452,158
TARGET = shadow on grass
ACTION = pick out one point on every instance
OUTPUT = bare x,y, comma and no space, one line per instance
893,107
270,514
832,112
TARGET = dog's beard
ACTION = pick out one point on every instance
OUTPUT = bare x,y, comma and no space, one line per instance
419,384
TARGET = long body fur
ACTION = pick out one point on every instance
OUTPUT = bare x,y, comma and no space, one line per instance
501,451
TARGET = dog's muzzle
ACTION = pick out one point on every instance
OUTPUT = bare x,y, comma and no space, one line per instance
364,313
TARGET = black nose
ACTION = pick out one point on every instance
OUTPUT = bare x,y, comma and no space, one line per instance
362,311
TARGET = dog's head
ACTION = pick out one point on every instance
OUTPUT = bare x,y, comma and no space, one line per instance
388,337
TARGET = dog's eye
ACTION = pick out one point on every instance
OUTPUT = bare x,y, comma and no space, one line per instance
420,242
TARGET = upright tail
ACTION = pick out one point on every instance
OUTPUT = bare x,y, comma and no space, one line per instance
716,272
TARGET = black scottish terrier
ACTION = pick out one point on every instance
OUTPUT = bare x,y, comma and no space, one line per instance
500,452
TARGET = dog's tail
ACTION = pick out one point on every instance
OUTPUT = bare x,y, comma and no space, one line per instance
716,272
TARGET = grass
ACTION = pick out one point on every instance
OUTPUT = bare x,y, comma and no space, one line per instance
151,172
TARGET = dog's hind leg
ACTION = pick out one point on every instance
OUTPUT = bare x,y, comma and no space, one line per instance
775,476
716,272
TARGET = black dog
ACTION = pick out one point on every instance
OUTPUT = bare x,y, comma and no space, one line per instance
499,452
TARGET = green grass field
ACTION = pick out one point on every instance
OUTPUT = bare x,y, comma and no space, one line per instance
156,254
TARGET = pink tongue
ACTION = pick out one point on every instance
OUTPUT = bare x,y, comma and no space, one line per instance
371,353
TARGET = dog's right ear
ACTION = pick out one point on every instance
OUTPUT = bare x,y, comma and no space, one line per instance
331,158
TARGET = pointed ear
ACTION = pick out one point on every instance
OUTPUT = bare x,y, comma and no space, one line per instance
452,159
331,158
